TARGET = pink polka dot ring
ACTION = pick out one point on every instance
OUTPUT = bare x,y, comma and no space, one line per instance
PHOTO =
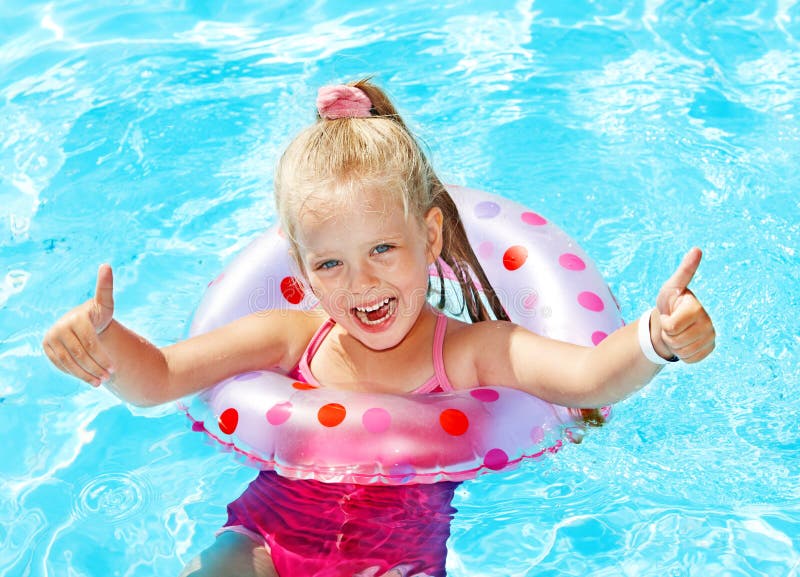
545,282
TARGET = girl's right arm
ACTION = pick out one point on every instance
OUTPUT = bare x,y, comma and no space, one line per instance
90,345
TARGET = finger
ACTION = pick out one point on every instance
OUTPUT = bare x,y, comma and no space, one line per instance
694,338
700,353
74,358
686,311
104,296
97,356
51,354
67,364
676,285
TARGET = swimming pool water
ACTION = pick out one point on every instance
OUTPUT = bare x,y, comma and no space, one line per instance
145,136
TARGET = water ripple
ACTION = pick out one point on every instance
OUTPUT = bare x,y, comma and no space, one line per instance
114,497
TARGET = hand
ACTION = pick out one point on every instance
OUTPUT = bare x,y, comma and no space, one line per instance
682,326
72,343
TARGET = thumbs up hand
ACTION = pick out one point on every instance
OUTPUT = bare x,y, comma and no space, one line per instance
682,326
72,343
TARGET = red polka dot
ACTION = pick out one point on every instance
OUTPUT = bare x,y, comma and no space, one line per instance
515,257
454,422
303,386
279,414
292,290
598,336
591,301
485,395
533,219
495,459
228,421
331,414
571,261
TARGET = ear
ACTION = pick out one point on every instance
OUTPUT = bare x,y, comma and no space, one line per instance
434,221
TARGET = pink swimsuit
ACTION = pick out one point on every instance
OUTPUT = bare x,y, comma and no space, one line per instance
315,529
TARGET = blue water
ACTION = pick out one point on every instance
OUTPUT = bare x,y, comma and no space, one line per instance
145,136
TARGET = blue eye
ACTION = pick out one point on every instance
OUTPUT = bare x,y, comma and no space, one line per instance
328,264
382,248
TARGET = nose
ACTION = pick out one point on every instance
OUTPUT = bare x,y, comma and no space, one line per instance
362,278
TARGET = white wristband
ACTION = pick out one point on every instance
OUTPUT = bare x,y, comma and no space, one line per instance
646,344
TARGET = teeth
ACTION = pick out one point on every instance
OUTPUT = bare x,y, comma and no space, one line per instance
373,307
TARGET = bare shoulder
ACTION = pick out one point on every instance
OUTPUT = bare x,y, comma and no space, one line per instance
261,340
466,344
287,331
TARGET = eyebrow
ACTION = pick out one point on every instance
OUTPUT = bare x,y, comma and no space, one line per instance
394,238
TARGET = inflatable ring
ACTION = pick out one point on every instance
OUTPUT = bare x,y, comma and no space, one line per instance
545,282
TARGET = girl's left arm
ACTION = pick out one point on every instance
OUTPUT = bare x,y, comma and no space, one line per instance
577,376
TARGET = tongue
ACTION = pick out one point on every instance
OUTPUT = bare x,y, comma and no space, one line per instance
377,314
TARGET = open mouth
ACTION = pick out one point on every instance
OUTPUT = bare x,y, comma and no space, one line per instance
377,313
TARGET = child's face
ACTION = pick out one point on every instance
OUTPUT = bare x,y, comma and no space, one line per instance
368,265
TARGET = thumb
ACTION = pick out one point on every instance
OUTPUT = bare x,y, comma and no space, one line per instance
103,298
676,284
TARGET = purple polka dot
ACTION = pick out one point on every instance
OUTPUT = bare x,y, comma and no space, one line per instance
533,219
495,459
591,301
537,434
486,249
247,376
376,420
571,261
485,395
598,336
487,209
279,414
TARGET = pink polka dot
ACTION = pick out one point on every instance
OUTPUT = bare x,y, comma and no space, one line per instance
485,395
486,249
571,261
495,459
597,337
376,420
529,302
533,219
279,413
591,301
537,434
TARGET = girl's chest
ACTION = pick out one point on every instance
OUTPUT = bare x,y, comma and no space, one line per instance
395,372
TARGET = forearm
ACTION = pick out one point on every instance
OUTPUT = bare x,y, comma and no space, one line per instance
616,368
141,372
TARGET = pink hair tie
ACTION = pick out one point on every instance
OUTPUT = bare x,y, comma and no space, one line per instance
343,101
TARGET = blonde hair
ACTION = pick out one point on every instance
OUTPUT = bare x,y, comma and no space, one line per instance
346,154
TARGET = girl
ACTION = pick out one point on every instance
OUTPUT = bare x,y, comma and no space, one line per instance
366,216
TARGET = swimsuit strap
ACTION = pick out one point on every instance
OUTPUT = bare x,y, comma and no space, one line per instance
303,369
439,381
